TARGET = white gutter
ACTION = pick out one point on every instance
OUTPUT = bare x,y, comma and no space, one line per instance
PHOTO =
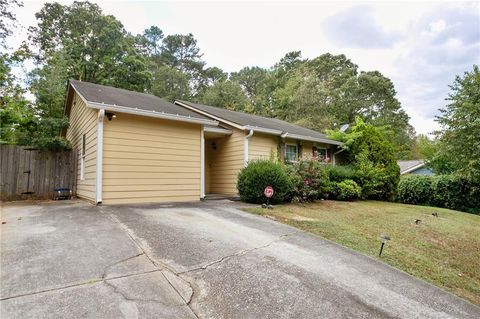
263,130
219,130
162,115
245,148
292,136
314,139
413,168
284,135
99,184
202,163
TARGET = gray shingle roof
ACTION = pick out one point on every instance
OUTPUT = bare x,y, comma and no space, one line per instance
407,165
96,93
255,121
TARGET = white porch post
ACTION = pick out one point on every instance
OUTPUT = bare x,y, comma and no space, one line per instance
99,184
202,163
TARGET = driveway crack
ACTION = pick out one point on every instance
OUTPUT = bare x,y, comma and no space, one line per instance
239,253
163,267
159,266
105,272
117,290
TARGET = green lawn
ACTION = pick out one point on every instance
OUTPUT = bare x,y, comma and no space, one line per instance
444,251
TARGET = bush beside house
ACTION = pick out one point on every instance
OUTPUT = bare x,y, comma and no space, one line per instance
253,179
302,181
309,181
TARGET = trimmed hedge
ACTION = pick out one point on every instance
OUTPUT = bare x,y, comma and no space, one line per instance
449,191
416,189
253,179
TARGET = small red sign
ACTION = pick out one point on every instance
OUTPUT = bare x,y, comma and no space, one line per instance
268,191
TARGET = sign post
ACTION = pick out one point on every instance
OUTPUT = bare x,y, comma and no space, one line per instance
268,192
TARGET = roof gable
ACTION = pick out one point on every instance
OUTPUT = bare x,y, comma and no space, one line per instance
121,100
258,123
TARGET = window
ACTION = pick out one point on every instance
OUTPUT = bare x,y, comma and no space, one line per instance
322,153
82,157
291,152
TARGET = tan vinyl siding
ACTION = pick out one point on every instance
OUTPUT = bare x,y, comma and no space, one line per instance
150,160
307,149
224,163
83,120
262,146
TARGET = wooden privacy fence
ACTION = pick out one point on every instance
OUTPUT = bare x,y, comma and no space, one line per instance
27,173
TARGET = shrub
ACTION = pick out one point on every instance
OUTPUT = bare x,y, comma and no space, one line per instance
457,192
416,189
449,191
347,190
340,173
368,149
253,179
310,180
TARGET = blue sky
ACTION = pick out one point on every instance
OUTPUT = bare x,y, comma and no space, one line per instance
421,46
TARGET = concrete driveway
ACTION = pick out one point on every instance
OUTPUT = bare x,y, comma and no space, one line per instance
203,260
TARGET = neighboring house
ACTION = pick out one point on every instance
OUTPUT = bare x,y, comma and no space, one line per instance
135,147
414,167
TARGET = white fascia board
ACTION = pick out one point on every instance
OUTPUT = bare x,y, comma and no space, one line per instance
314,139
293,136
219,130
218,119
161,115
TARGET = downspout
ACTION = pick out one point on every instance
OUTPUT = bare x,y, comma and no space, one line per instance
99,185
202,164
282,146
245,148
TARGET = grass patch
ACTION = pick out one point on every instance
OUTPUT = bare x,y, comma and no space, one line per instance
444,250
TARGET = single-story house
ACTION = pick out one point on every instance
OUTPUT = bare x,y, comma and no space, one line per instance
135,147
414,167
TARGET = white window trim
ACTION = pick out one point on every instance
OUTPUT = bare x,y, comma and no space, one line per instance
296,148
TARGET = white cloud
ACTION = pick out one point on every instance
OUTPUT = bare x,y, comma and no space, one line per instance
438,26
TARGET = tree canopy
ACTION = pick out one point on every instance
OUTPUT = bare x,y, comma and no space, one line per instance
459,137
79,41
